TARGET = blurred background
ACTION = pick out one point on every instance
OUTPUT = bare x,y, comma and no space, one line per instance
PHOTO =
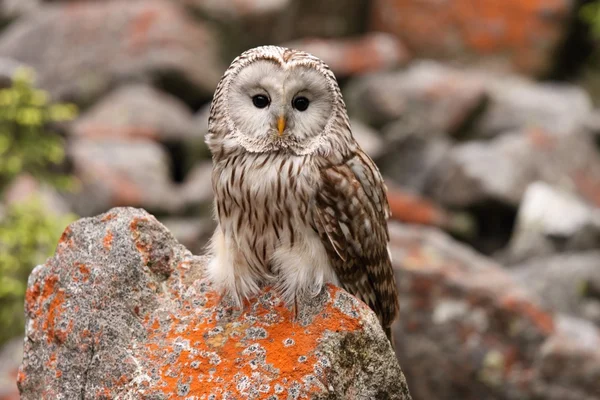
481,115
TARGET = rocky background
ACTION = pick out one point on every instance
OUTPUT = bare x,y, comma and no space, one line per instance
481,116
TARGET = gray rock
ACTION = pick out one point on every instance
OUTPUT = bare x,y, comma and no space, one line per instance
411,154
12,9
114,173
501,169
137,111
122,310
371,52
193,232
11,355
565,283
551,220
515,103
470,330
436,97
90,47
196,191
368,138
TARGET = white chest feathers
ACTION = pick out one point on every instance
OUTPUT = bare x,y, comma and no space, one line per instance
264,205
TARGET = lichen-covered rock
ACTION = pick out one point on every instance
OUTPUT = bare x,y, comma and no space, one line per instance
358,55
94,45
123,311
468,330
518,34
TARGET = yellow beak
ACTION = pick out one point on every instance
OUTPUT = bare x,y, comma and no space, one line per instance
281,125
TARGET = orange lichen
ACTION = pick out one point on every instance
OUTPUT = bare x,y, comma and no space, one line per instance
515,29
107,241
108,217
264,346
410,208
542,320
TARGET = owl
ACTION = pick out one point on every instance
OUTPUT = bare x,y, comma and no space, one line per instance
298,203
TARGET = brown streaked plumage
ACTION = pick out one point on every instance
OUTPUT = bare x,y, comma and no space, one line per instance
298,203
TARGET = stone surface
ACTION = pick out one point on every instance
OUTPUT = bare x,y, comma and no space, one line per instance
516,103
196,191
11,355
551,220
118,173
193,232
517,34
346,57
97,44
427,93
370,140
24,186
568,283
11,9
501,169
150,326
468,330
412,154
137,111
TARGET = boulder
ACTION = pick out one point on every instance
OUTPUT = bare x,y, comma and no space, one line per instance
12,9
512,35
97,44
515,103
568,283
468,330
440,98
369,139
501,169
371,52
11,354
137,111
543,228
119,173
122,310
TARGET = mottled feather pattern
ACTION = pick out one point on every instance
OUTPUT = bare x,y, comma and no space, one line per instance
297,213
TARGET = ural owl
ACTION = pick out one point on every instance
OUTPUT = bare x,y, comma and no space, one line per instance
298,203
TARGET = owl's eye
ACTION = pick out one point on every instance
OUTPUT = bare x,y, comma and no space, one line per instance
300,103
260,101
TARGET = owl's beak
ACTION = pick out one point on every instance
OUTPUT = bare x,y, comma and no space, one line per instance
281,124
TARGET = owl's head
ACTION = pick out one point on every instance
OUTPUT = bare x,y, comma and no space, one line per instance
274,99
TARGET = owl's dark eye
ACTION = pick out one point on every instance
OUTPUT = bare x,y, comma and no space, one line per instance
260,101
300,103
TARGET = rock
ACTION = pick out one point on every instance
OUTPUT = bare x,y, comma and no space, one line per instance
501,169
542,228
368,138
193,232
151,326
516,103
439,98
468,330
137,111
412,154
564,282
196,191
12,9
141,112
11,355
8,68
114,41
24,186
353,56
516,35
117,173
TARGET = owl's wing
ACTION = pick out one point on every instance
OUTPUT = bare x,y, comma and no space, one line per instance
350,217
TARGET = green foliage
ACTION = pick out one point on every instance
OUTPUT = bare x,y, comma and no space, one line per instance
590,14
26,142
28,232
28,235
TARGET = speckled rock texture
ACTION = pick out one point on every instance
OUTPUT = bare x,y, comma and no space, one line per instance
123,311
